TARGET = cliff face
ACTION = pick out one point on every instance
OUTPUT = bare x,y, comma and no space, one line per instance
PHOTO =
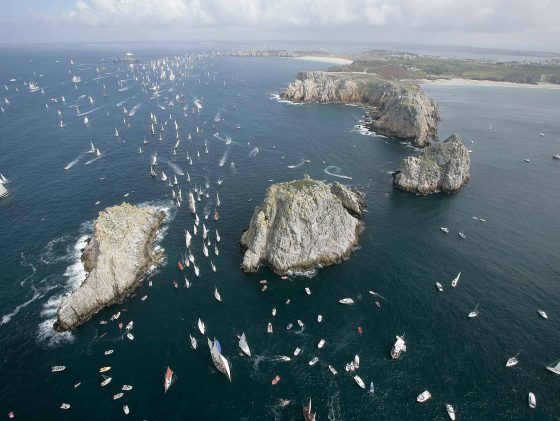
118,255
441,167
302,224
396,109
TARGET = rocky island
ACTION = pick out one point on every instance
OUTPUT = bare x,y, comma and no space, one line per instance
394,108
440,167
303,224
116,258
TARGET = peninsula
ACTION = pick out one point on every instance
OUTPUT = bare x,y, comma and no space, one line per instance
397,109
303,224
116,258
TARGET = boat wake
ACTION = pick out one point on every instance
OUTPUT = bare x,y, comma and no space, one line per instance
90,111
7,317
24,262
254,152
223,159
297,165
75,161
134,109
122,102
335,172
174,167
93,160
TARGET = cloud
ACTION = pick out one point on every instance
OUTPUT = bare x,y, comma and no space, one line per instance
439,21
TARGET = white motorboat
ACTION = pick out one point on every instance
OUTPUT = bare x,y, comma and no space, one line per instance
532,400
512,361
439,287
455,280
321,344
333,370
424,396
307,291
126,387
106,381
297,351
217,295
290,325
319,318
126,409
444,229
359,381
450,411
58,368
104,369
109,352
543,314
313,361
554,367
118,396
474,313
65,406
130,336
462,235
269,327
398,347
347,301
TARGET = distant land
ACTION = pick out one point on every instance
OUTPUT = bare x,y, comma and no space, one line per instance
399,65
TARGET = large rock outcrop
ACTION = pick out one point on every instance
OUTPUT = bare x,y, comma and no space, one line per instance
303,224
441,167
117,257
398,109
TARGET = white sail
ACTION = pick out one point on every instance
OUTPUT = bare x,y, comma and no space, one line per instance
243,345
192,206
217,295
218,203
221,363
217,236
188,238
201,326
163,176
97,153
154,159
205,250
204,231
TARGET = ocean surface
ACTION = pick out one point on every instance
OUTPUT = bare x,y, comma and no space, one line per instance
510,265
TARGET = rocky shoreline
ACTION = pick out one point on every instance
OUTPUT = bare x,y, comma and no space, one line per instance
301,225
396,109
116,258
442,167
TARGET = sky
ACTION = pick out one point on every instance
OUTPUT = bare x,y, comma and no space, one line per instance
513,24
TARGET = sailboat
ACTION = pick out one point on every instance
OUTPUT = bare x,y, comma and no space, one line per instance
201,326
97,152
217,236
152,172
213,266
243,345
170,378
116,133
175,180
92,149
205,250
554,367
218,203
307,414
86,120
154,159
217,295
193,341
221,363
192,206
188,238
455,280
450,411
473,313
163,176
204,231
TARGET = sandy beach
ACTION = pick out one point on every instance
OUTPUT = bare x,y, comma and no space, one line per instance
333,60
470,82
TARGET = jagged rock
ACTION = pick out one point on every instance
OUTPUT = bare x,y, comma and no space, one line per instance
117,257
398,109
303,224
441,167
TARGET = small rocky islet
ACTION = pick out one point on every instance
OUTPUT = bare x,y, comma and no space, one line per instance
303,224
116,258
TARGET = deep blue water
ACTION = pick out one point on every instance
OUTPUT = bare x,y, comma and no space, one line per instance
509,265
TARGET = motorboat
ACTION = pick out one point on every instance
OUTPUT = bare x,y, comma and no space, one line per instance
297,351
269,327
398,347
359,381
543,314
424,396
474,313
58,368
321,344
333,370
275,380
313,361
439,287
532,400
307,291
346,301
444,229
513,361
450,411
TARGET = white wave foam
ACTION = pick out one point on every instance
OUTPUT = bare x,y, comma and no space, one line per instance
50,337
122,102
93,160
48,255
24,262
297,165
335,172
90,111
276,97
174,167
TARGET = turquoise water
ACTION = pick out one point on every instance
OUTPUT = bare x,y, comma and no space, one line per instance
509,265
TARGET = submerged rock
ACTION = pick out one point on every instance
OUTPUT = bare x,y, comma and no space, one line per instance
117,257
398,109
303,224
441,167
